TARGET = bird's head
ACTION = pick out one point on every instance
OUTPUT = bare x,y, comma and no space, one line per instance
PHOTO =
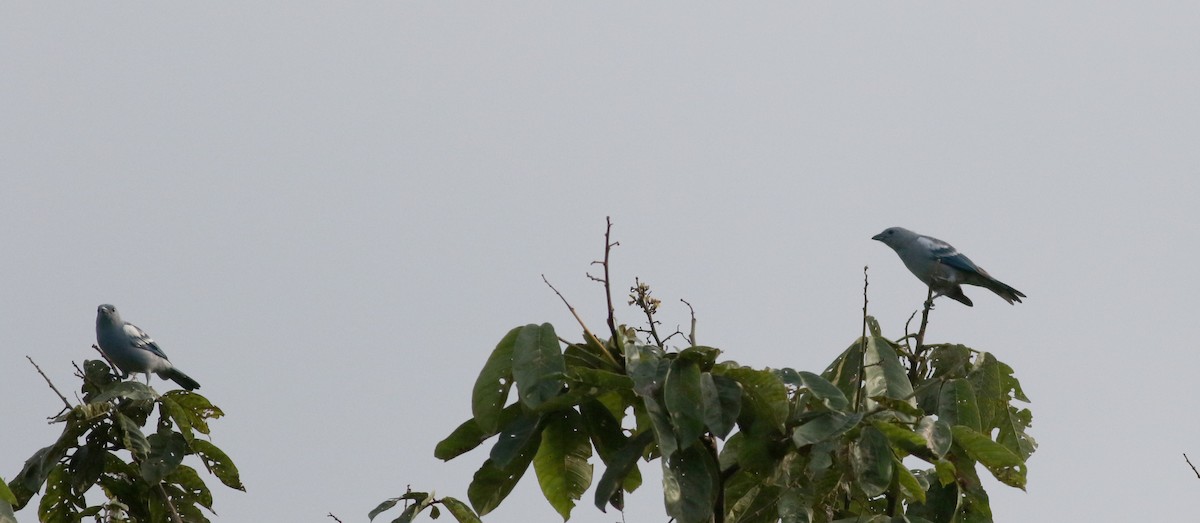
107,313
893,236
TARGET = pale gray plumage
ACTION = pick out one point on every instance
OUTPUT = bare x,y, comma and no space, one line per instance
132,350
941,267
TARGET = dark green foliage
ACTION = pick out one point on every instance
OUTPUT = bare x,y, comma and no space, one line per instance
804,447
88,454
738,444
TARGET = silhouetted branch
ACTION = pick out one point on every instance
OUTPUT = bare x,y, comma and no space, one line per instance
586,330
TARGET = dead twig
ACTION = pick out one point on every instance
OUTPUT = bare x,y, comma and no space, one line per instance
1189,462
612,322
586,331
66,404
692,335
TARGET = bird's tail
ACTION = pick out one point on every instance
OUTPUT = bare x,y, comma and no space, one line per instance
1011,295
957,295
179,377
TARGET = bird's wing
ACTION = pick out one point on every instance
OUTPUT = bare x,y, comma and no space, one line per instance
141,340
945,253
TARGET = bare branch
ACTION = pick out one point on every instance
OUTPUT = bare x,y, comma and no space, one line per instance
916,360
170,506
862,367
608,245
692,336
1189,462
586,331
335,518
67,404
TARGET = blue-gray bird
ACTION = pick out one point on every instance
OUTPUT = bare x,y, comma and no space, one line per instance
941,267
132,350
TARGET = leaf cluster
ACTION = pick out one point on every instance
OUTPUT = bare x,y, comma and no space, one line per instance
739,444
104,444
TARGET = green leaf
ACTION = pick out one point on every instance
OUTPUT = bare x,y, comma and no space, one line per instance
937,435
950,361
873,327
132,437
705,357
751,500
641,364
514,439
492,483
134,390
765,395
589,355
600,379
824,426
941,504
682,396
561,462
945,471
383,507
6,512
422,500
1004,464
87,463
189,410
218,464
59,502
905,439
608,489
538,364
844,371
494,381
722,398
795,506
603,428
885,375
824,390
690,482
469,435
190,484
909,484
872,458
957,405
166,452
985,379
460,510
1013,425
6,495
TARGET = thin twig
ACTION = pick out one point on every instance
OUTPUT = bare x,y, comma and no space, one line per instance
862,367
586,331
692,336
1189,462
67,404
907,332
170,506
112,365
335,518
914,361
612,322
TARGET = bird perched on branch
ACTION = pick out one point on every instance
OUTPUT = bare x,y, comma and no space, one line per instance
132,350
941,267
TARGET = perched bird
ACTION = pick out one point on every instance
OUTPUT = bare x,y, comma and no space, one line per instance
132,350
941,267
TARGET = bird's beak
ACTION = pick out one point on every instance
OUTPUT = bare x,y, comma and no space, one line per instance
878,237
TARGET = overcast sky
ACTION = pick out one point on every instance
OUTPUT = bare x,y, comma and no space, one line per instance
329,215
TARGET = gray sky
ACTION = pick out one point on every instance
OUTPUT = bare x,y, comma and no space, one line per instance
329,216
